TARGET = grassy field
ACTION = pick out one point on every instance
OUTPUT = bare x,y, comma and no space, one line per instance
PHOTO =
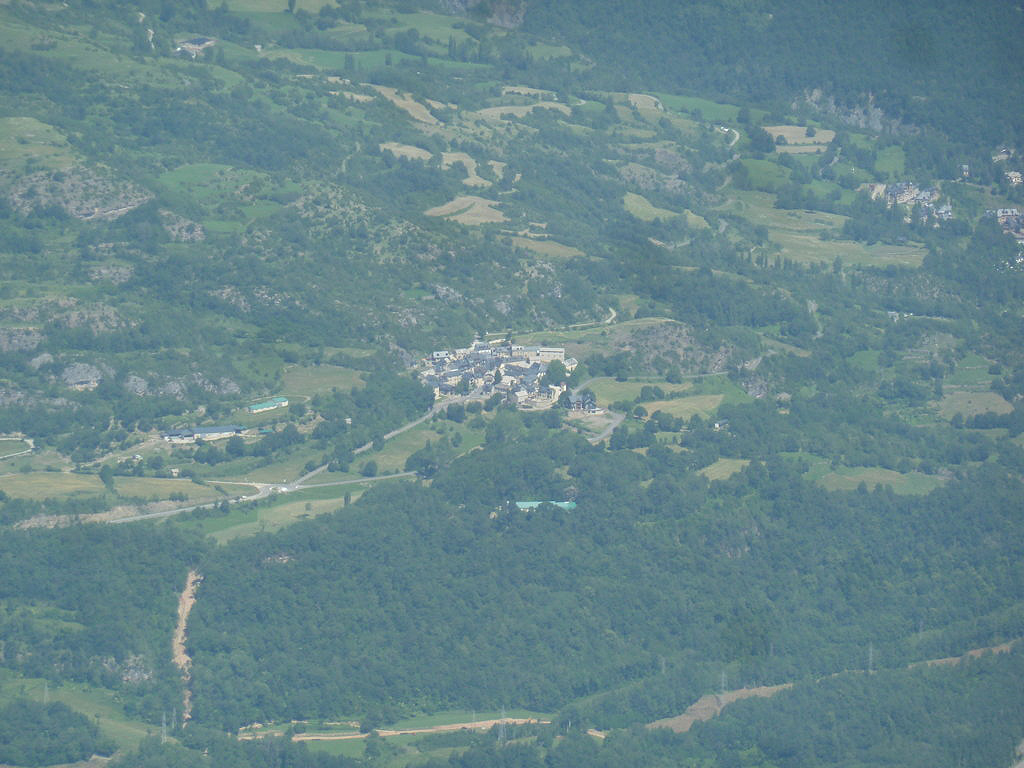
639,206
288,468
285,510
44,485
891,160
723,468
161,488
98,704
306,381
270,6
766,175
972,370
798,232
8,447
41,459
391,458
685,407
709,110
849,478
25,138
971,402
797,135
866,359
608,390
408,742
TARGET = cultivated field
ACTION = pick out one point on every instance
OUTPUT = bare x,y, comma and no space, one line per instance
407,151
797,139
45,485
473,179
521,110
405,102
547,247
522,90
469,210
798,234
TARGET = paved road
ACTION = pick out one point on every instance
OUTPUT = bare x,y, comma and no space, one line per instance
265,489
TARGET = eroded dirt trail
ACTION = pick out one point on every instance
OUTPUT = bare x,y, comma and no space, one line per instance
710,705
178,653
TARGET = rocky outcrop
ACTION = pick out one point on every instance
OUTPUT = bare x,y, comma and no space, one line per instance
84,193
82,375
865,116
503,13
19,339
136,385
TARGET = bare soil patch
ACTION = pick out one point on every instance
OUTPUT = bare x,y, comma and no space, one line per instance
179,653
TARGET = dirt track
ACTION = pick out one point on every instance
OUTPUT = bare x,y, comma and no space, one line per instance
477,725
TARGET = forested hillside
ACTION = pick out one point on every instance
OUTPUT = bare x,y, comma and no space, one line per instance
771,253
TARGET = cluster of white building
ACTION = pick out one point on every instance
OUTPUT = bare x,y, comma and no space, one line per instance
514,370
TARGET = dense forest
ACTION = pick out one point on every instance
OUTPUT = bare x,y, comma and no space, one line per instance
779,246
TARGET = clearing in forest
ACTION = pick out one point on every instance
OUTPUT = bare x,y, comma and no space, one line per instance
547,247
685,407
407,151
406,103
469,210
971,403
448,159
723,468
522,90
711,704
643,209
644,102
498,113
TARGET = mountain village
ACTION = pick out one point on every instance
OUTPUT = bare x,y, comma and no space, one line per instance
512,370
